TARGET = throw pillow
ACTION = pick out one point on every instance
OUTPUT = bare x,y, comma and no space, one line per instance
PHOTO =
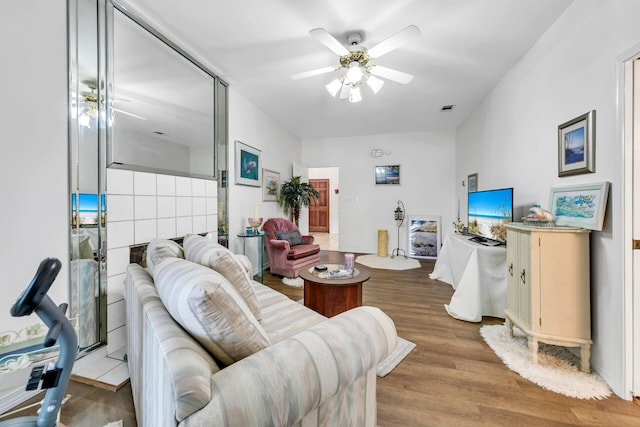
293,237
205,304
160,249
210,253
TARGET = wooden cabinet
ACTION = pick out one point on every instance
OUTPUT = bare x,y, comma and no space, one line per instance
548,287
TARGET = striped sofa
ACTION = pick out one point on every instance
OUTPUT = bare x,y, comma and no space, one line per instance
313,372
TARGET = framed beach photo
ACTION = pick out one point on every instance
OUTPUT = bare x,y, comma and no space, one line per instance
580,205
576,145
270,185
247,165
424,237
388,175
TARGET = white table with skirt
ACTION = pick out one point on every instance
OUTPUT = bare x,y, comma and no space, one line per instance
478,273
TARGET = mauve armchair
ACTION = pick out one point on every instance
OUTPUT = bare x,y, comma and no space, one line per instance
288,250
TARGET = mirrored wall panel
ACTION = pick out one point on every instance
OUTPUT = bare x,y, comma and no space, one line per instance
160,102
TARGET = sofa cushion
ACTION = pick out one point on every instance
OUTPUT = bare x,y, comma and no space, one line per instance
293,237
208,252
180,357
207,306
301,251
160,249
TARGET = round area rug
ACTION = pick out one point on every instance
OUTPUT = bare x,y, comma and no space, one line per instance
388,263
295,282
556,369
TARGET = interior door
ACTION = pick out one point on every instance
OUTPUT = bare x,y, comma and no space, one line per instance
319,210
635,132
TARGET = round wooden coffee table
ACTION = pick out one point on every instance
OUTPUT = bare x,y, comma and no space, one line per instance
329,295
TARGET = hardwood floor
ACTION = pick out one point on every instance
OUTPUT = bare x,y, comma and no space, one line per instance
451,378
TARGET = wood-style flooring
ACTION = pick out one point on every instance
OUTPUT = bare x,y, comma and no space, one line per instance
451,378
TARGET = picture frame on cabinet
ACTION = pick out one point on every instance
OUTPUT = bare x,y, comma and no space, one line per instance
424,236
580,206
576,145
248,164
270,185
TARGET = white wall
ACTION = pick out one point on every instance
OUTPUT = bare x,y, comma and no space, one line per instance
427,183
279,150
511,140
34,217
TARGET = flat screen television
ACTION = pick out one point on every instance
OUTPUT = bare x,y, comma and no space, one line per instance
488,212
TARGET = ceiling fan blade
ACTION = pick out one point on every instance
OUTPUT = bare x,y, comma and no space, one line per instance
395,41
315,72
329,41
129,114
390,74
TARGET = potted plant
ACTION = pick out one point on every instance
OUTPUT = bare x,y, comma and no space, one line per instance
294,195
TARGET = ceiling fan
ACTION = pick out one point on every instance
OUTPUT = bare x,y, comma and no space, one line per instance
85,106
358,61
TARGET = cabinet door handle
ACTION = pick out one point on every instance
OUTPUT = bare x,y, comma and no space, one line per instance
511,269
523,276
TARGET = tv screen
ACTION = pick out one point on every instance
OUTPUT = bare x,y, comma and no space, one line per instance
488,212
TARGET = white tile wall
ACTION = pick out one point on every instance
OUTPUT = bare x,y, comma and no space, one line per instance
140,207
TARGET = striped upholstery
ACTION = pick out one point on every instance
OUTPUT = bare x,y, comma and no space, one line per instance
160,249
162,353
210,309
210,253
324,376
317,372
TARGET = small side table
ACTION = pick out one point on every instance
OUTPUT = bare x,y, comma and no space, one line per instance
260,237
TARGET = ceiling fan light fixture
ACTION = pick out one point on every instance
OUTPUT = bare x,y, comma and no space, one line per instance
334,87
375,83
354,75
354,95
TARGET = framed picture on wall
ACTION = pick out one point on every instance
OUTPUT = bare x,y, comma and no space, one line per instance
248,165
576,145
472,183
388,175
270,185
424,236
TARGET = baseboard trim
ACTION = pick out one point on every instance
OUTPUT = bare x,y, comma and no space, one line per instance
15,398
99,384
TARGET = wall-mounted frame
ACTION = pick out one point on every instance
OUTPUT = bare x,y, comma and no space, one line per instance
424,236
576,145
270,185
472,183
248,164
387,175
580,205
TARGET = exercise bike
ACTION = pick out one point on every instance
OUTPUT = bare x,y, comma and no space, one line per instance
56,378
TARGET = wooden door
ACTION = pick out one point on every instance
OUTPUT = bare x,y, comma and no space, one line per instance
319,210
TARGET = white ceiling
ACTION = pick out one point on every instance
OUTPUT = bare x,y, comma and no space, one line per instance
255,45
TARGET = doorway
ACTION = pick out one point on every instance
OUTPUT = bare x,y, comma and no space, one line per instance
324,223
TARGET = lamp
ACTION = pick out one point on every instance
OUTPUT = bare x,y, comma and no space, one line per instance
354,95
399,217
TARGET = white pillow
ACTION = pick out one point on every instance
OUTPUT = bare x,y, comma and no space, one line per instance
210,253
207,306
160,249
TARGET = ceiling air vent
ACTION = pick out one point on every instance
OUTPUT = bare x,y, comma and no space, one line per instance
447,107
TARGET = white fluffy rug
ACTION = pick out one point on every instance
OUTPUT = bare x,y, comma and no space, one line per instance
295,282
388,263
556,369
403,347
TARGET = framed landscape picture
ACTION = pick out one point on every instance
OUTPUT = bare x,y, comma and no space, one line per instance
388,175
576,145
424,237
247,165
270,185
580,205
